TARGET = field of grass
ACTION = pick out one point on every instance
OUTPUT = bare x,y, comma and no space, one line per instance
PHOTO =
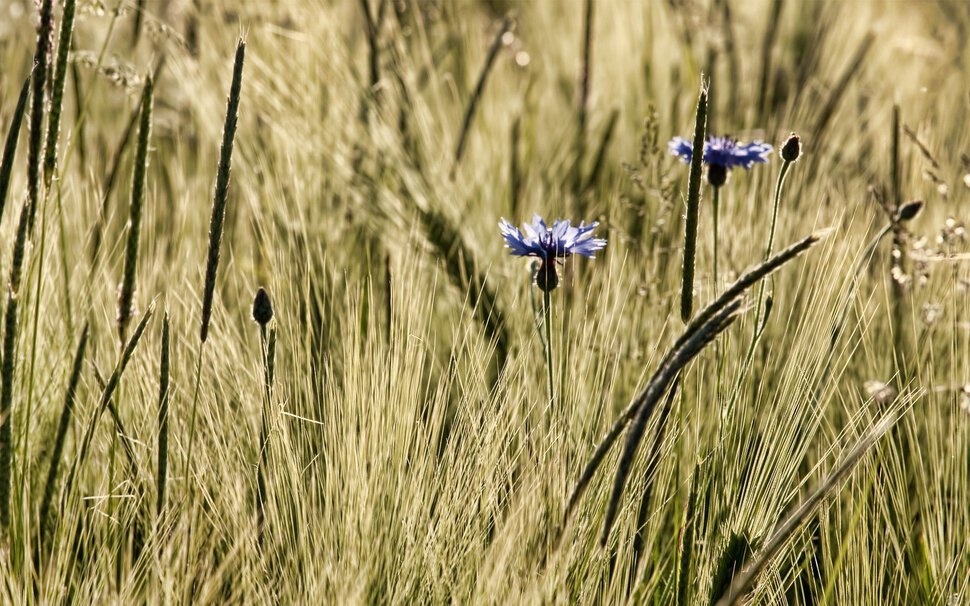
411,424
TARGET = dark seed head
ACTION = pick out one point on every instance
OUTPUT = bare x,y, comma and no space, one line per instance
717,175
792,148
909,210
546,277
262,308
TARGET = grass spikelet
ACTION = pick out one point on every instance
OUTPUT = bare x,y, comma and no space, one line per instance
62,427
693,205
38,105
476,97
221,194
138,185
703,318
57,90
8,367
658,385
732,559
10,146
163,402
744,581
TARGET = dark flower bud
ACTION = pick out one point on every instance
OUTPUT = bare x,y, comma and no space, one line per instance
717,175
546,277
792,148
262,308
909,210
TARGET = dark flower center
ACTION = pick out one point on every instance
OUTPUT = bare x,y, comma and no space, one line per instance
546,277
717,174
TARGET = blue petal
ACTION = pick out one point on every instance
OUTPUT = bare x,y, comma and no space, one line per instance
681,147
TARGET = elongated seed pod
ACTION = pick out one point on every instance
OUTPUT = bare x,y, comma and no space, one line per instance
8,366
38,104
693,204
222,189
10,147
138,182
57,91
163,400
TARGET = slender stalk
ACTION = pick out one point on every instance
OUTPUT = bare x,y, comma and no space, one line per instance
714,210
194,413
756,333
547,325
261,464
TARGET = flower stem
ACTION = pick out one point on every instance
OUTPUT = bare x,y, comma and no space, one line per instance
757,328
771,241
717,198
547,324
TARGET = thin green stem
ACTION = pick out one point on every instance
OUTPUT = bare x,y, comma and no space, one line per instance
717,199
756,332
547,324
195,408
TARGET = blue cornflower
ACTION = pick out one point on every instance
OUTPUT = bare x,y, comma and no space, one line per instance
721,154
548,244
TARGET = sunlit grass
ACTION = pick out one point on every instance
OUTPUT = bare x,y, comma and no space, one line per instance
405,450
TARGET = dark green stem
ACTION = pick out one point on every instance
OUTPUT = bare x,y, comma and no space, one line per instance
717,198
547,324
